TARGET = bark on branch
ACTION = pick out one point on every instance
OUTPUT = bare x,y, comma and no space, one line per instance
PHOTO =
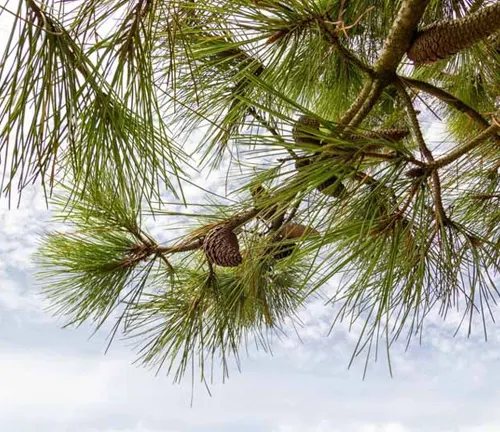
399,39
459,152
196,243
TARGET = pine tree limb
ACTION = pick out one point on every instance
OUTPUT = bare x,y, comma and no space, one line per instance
440,213
395,46
368,103
400,35
196,243
358,103
461,151
451,100
414,124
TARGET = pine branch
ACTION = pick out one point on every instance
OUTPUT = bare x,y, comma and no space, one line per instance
441,216
451,100
191,244
400,36
379,208
368,103
466,148
395,46
414,124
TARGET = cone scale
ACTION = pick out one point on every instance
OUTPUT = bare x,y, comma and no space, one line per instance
221,247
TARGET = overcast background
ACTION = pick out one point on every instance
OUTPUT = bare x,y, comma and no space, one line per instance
55,380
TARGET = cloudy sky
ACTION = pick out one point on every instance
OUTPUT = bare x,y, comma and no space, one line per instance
54,380
60,380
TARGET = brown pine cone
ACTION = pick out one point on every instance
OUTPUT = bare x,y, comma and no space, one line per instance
302,162
332,187
221,247
448,37
305,130
278,251
392,134
415,172
294,230
283,251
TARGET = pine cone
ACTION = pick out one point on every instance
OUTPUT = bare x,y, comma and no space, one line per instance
302,163
415,172
445,38
283,251
221,247
332,187
392,134
304,130
293,230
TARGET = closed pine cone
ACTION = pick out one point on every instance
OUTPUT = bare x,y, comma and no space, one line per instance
304,130
332,187
393,134
283,251
221,247
294,230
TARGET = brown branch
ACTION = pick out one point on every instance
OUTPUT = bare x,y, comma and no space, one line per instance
400,35
395,46
196,243
459,152
440,213
451,100
414,124
441,217
368,104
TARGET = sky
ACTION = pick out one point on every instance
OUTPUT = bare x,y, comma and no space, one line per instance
55,379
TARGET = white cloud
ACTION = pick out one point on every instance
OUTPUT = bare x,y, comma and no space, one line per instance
14,298
138,428
326,426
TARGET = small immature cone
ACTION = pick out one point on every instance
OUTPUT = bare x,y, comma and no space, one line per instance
392,134
221,247
283,251
304,130
332,187
293,231
302,162
445,38
415,172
